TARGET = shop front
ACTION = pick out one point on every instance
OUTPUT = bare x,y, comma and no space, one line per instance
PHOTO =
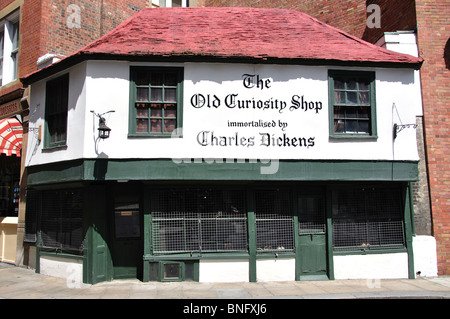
228,228
181,166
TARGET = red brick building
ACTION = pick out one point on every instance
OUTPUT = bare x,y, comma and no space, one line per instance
33,34
429,20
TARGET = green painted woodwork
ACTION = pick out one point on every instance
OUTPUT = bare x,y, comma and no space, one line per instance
408,222
98,264
352,75
251,221
329,228
168,170
313,252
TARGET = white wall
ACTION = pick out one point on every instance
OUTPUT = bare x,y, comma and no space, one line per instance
425,256
75,120
69,269
103,86
371,266
275,270
223,271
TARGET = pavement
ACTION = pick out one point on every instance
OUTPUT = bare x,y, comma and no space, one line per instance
22,283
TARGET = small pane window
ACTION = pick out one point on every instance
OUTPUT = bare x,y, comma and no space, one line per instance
352,105
156,101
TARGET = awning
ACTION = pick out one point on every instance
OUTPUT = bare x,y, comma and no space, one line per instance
10,136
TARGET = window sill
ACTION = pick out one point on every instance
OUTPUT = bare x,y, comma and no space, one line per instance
353,136
145,135
54,148
372,251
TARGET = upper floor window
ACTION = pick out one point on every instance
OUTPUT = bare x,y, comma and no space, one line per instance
352,104
56,105
9,48
155,101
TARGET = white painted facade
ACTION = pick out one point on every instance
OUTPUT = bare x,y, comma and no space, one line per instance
102,86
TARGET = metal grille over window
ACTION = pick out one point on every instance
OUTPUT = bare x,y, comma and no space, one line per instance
274,221
367,218
33,207
198,220
62,220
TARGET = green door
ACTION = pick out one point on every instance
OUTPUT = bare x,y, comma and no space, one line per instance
127,241
98,261
312,254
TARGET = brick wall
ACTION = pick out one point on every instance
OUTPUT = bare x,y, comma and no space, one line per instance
30,29
68,25
433,35
335,13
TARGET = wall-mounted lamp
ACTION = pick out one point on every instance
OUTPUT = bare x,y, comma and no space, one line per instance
103,130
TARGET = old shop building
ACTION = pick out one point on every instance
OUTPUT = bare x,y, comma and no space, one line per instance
241,145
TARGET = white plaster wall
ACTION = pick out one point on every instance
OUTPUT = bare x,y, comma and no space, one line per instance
75,120
425,257
104,85
371,266
223,271
69,269
275,270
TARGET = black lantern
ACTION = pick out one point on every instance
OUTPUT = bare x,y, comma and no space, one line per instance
103,130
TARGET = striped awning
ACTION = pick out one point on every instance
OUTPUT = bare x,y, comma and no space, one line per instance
10,136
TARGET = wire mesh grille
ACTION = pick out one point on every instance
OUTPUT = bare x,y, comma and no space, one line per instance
32,211
274,221
198,220
62,220
368,218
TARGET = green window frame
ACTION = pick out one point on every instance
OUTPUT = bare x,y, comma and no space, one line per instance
56,106
155,101
352,104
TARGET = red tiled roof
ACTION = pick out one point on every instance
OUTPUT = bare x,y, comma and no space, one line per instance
240,33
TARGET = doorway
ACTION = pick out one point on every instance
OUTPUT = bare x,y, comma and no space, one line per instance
312,237
127,247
